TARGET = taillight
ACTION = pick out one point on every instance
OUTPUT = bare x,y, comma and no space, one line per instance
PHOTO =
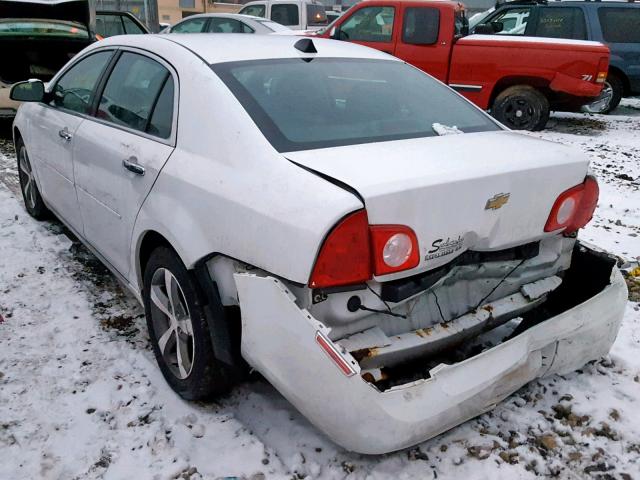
354,251
395,248
574,207
345,256
603,67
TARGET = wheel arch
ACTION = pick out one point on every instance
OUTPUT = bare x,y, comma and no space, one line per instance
501,85
623,77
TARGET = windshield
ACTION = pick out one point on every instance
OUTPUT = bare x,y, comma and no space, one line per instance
273,26
41,28
303,104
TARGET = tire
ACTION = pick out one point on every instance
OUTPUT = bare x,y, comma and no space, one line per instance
30,193
179,325
521,107
610,97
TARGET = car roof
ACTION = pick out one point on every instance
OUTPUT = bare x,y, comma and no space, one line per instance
560,3
223,15
230,47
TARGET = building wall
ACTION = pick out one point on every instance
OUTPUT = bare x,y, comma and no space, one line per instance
172,11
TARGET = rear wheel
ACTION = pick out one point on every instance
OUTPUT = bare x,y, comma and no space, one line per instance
32,199
179,330
610,97
521,107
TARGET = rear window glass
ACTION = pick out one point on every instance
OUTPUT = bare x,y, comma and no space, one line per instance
326,102
316,15
40,28
561,22
620,25
421,26
285,14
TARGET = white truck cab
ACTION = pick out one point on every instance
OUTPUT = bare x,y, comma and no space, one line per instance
295,14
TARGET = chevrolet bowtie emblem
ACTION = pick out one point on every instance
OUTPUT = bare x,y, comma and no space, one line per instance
497,201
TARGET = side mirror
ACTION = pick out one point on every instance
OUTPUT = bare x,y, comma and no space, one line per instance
483,29
29,91
497,27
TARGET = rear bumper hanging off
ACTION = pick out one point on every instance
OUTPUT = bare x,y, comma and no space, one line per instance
280,340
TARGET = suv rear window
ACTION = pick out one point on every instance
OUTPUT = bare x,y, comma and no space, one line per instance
285,14
561,22
316,15
620,25
327,102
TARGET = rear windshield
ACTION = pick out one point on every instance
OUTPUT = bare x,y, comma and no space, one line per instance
316,15
326,102
620,25
41,28
273,26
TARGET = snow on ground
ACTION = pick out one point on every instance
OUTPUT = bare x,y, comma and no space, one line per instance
81,396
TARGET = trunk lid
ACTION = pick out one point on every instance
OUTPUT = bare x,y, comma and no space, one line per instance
479,191
66,10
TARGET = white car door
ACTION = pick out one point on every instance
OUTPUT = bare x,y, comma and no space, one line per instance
57,124
119,153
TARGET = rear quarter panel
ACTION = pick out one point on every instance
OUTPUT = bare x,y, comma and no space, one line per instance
486,61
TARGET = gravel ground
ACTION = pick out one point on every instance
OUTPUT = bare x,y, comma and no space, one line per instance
81,396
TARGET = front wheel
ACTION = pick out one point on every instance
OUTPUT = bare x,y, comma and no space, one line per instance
179,330
30,193
521,107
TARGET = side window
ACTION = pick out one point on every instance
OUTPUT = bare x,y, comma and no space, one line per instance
421,26
131,91
109,25
162,118
620,25
228,25
285,14
190,26
369,24
255,10
561,22
514,20
74,90
131,27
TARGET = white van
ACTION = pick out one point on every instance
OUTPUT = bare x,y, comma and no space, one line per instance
295,14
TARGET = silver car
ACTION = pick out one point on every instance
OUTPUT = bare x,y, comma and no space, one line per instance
226,23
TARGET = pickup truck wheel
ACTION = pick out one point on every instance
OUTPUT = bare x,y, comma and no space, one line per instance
178,329
521,108
610,97
32,199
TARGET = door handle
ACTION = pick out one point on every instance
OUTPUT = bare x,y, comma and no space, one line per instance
65,135
132,165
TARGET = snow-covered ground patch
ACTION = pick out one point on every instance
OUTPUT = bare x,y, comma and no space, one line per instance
81,396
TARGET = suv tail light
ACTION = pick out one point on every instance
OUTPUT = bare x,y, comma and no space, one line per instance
354,251
574,207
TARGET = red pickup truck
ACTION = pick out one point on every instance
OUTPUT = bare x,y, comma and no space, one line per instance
519,79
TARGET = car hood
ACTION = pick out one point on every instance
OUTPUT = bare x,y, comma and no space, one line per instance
66,10
474,191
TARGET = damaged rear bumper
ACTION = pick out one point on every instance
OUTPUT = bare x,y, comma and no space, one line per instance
283,342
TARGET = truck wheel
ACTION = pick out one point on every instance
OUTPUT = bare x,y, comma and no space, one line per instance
32,199
521,107
610,97
178,329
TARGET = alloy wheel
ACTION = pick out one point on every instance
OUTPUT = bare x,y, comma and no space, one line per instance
172,323
27,182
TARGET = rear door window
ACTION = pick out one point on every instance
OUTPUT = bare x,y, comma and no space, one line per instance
561,22
75,89
514,20
131,27
620,25
369,24
227,25
255,10
285,14
421,26
132,92
195,25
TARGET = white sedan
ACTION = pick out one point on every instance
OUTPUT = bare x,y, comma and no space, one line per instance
337,219
226,23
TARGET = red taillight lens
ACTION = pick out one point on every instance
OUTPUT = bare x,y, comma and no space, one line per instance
345,256
395,248
574,207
